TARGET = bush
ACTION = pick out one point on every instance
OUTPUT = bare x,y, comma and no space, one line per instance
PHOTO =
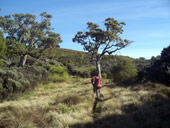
84,71
2,72
57,69
17,80
124,70
104,75
12,74
58,74
54,62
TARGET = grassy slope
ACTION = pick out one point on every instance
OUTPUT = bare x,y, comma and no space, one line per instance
70,105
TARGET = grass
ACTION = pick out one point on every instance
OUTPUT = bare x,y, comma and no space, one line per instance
16,117
70,104
69,99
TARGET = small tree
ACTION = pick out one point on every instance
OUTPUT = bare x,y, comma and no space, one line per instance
99,42
31,36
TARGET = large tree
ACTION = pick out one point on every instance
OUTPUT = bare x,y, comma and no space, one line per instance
30,35
98,41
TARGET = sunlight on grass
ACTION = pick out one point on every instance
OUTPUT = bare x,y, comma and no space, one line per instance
62,105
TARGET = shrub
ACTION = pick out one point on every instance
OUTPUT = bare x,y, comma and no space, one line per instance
124,70
58,77
58,74
25,82
12,74
84,71
17,80
104,75
2,72
54,62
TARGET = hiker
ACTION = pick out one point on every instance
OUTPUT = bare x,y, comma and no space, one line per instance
96,82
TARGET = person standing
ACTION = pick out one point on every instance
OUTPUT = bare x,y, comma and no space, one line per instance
97,84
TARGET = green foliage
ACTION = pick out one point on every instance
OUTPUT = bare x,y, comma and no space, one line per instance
3,48
77,58
55,70
82,71
2,72
124,70
27,36
141,63
104,75
64,108
54,62
159,69
15,48
78,62
95,39
12,73
58,74
17,80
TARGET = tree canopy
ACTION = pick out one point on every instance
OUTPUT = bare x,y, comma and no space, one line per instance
107,40
32,36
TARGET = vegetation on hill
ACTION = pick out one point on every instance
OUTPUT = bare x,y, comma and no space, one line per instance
65,63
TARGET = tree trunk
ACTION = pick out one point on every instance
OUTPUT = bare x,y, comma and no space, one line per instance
98,68
23,59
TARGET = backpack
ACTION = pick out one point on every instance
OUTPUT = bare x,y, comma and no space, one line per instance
98,82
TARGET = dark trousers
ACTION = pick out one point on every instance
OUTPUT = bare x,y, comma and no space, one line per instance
96,90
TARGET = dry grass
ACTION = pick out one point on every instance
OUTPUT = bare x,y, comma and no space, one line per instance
13,117
70,105
69,99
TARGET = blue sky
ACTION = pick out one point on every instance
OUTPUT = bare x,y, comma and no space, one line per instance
147,21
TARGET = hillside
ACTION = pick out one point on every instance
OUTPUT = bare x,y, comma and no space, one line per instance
67,56
70,105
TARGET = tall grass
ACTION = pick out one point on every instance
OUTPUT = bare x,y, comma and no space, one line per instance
13,117
65,105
